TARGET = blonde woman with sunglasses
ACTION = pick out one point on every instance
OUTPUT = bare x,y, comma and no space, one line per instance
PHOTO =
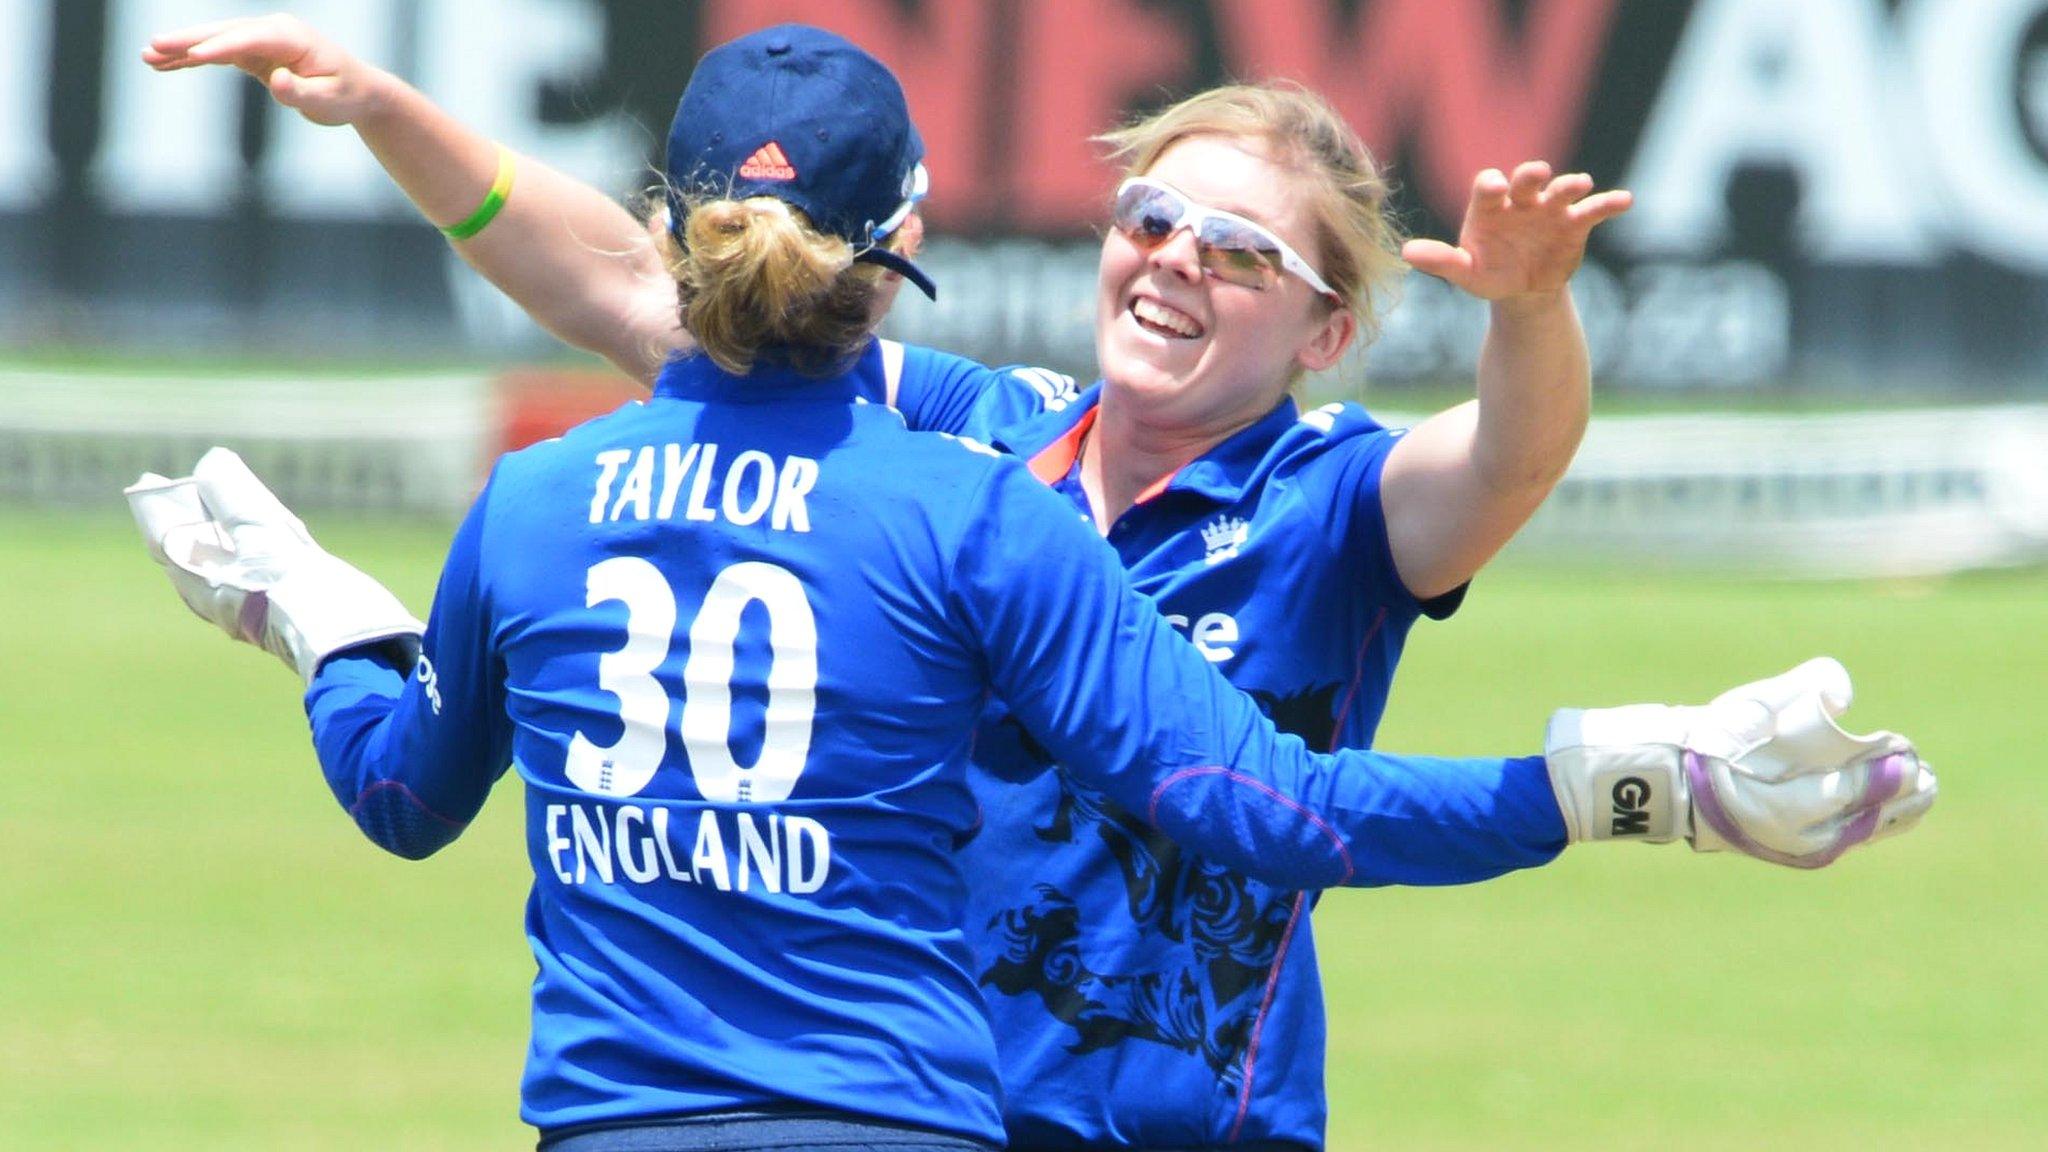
1249,245
1144,998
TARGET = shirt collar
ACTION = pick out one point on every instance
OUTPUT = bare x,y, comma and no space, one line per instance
1224,473
1050,445
695,377
1035,434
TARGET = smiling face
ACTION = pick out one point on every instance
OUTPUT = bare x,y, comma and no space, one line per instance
1196,354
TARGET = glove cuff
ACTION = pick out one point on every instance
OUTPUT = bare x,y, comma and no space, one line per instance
1617,773
323,608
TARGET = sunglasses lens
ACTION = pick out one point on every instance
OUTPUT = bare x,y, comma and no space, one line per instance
1232,250
1148,215
1238,255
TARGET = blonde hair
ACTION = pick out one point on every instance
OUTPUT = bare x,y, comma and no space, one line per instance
754,276
1357,240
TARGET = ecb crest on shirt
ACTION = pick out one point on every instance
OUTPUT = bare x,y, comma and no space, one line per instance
1222,537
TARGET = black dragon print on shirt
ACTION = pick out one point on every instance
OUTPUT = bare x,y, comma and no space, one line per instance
1222,930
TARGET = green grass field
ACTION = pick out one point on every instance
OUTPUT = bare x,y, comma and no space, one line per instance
200,952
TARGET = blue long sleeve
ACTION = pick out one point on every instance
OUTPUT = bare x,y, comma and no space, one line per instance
412,756
1156,727
940,392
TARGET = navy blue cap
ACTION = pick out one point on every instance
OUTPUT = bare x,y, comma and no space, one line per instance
802,115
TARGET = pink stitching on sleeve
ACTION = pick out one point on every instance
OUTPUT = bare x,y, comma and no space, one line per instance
418,803
1152,811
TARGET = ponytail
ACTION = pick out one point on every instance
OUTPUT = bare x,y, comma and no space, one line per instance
753,277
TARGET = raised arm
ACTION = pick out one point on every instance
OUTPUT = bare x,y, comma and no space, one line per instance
1462,483
576,260
1129,707
411,748
409,755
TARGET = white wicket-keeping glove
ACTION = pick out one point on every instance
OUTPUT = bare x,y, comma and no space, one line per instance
1762,770
239,558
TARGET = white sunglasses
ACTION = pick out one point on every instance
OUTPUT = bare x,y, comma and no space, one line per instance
1231,248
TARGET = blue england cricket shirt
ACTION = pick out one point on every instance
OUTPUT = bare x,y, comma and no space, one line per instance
735,640
1147,996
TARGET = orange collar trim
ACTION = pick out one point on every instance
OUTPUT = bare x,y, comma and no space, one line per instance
1056,459
1156,487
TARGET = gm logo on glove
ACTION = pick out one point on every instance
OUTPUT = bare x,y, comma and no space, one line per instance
1631,807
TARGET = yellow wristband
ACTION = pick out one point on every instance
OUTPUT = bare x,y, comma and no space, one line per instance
501,188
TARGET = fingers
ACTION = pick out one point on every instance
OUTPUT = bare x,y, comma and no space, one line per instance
1534,187
1882,797
1569,188
161,505
284,87
328,100
1902,814
1531,186
164,62
295,91
1524,233
150,482
1810,821
254,45
1526,186
1789,718
176,527
1830,681
202,548
1822,676
1789,725
174,45
1592,210
1437,258
269,39
1749,713
236,498
1489,193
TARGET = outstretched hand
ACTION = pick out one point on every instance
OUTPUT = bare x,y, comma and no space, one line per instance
1766,769
1523,235
242,561
303,69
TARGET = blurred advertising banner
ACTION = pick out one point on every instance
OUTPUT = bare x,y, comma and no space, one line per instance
1901,492
1838,195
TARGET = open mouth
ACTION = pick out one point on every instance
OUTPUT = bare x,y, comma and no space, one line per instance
1161,320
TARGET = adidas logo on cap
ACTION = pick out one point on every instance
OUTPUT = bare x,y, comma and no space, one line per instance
768,163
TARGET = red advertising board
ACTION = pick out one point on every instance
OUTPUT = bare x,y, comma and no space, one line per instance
1830,193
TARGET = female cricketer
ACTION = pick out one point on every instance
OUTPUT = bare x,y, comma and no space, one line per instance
1134,986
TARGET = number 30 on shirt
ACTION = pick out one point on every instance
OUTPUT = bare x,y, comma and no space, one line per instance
625,767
